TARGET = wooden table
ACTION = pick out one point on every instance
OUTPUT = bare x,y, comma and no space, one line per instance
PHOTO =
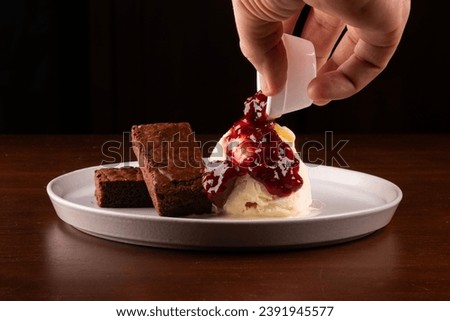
42,258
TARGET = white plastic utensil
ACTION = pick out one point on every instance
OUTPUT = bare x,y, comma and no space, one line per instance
301,59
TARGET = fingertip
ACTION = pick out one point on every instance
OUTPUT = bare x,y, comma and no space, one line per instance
271,88
321,102
318,92
314,94
265,88
273,70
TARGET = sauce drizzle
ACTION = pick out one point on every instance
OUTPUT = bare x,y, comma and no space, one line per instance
252,146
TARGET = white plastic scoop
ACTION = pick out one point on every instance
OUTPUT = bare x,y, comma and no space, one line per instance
301,59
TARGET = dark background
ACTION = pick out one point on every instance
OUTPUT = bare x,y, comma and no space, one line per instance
102,66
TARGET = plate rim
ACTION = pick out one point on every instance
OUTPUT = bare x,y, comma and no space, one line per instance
201,233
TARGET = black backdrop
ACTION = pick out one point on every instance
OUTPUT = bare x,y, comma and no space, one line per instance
101,66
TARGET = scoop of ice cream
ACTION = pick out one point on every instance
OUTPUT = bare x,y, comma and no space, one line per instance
255,171
249,198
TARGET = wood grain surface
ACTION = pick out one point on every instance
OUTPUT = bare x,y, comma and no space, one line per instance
42,258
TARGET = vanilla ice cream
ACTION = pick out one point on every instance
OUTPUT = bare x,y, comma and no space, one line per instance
255,171
249,198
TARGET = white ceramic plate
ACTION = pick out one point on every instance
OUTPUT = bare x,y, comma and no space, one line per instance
352,205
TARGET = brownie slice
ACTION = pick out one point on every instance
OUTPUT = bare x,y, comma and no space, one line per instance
121,187
172,165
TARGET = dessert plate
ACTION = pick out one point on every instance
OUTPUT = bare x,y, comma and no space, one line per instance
349,205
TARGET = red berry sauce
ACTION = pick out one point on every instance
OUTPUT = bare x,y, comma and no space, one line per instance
252,146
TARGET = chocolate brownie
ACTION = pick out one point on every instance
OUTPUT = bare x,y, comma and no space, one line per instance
121,187
172,166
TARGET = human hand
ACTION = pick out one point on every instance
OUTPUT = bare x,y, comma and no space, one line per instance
373,29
